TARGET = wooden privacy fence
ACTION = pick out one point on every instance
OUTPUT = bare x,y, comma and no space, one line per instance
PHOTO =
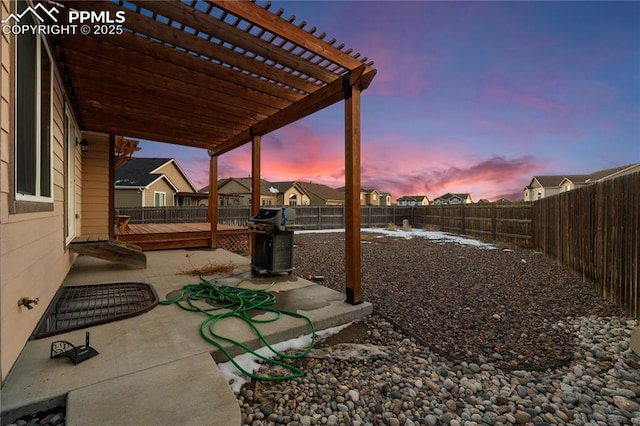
498,222
595,230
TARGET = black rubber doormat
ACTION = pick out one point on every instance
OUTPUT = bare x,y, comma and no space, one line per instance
76,307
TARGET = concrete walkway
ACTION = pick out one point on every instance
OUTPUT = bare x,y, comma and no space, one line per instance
155,368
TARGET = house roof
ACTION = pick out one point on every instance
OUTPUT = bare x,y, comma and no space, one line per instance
547,181
137,172
449,195
557,180
318,191
245,182
413,197
206,74
315,191
282,186
607,173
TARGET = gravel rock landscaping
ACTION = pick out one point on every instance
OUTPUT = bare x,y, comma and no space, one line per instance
463,302
460,335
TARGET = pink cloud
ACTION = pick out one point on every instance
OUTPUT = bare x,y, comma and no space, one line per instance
486,179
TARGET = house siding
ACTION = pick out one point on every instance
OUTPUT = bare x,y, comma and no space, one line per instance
33,257
128,198
234,188
301,199
158,186
177,179
94,212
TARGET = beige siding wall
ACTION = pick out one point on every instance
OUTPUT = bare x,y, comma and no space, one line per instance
301,199
177,179
94,215
233,187
128,198
160,185
5,102
33,257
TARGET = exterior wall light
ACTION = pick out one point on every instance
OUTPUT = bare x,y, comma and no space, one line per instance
84,145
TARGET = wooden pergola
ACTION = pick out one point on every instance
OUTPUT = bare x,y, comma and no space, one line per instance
216,75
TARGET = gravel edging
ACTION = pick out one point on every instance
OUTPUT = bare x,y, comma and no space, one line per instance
410,385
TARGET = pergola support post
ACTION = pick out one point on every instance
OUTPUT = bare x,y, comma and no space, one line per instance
212,210
112,191
352,192
255,173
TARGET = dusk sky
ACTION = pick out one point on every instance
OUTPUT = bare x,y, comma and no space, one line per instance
473,97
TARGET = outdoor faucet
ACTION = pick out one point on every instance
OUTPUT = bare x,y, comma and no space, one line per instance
27,303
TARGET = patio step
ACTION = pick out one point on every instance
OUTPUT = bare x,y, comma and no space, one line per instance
163,241
102,247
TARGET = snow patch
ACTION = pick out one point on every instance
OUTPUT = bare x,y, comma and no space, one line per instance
416,233
249,362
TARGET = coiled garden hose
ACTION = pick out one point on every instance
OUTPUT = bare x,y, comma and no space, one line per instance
237,303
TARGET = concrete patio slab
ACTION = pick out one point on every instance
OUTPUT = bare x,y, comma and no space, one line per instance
190,391
164,335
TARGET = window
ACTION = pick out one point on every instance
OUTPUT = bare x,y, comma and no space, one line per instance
159,199
34,77
293,200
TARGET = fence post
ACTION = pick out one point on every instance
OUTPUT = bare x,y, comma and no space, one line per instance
494,223
441,217
464,214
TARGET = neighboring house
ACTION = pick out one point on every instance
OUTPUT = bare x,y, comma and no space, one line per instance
544,186
298,193
369,197
153,182
453,199
413,200
576,181
237,192
503,200
385,199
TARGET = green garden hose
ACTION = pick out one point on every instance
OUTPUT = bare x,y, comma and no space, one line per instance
237,303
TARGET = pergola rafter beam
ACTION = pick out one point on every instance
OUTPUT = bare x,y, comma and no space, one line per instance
139,48
233,35
166,98
265,19
119,59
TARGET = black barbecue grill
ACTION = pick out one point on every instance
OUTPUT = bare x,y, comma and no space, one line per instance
273,245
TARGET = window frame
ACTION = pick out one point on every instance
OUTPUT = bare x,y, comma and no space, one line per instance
164,198
22,202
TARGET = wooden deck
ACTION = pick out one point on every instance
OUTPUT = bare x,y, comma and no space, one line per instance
162,236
